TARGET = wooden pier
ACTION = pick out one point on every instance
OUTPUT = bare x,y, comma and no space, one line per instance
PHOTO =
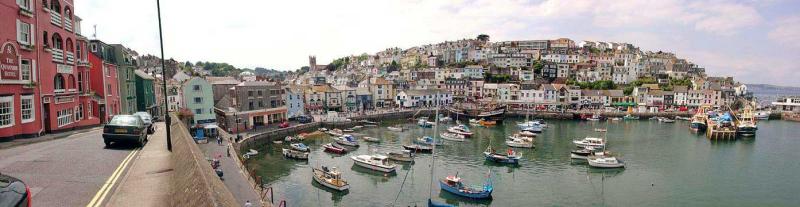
715,131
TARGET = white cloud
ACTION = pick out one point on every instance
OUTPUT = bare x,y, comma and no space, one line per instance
787,32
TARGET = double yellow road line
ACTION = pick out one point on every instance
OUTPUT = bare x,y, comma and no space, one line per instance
101,195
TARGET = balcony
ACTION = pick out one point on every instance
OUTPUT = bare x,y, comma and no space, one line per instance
70,58
55,18
68,24
58,55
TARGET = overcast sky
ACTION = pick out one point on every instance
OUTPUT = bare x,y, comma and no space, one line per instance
754,41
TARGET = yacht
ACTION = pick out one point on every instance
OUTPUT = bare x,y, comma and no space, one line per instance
605,161
374,162
590,141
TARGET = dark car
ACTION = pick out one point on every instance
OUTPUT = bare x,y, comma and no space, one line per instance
148,121
13,192
305,119
125,128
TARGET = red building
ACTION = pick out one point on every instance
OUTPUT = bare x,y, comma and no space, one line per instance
44,81
103,80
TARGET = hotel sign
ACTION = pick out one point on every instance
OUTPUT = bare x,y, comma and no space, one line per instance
61,68
9,62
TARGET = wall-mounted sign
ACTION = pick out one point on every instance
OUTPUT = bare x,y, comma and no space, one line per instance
65,69
9,62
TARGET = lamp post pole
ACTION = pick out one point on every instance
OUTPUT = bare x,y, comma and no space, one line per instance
167,118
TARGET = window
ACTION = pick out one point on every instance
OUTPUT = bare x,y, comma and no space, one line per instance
250,93
25,4
59,83
105,70
80,82
79,112
65,117
89,110
6,111
259,92
25,69
198,111
198,100
94,47
26,106
24,31
197,87
108,89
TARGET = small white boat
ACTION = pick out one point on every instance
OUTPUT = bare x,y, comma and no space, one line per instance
762,115
604,161
371,139
527,134
348,130
521,143
277,142
330,178
474,122
322,129
249,154
370,125
592,119
460,129
452,137
335,132
403,156
357,127
590,141
445,119
519,136
347,140
683,118
374,162
666,120
395,129
615,118
600,130
300,147
290,153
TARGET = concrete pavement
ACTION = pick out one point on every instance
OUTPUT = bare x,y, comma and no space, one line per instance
147,181
235,180
68,171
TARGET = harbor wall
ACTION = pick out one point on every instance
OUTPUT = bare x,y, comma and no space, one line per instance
194,182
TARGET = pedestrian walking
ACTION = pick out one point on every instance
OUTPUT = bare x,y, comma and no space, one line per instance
219,140
248,204
229,151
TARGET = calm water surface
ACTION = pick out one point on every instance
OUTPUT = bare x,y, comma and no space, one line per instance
667,165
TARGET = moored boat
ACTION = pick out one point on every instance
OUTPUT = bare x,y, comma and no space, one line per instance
371,139
335,132
487,123
605,161
300,147
510,157
454,185
518,142
527,134
330,178
590,141
290,153
347,140
474,122
374,162
424,123
403,156
460,129
426,140
452,137
600,130
418,148
333,148
630,117
395,129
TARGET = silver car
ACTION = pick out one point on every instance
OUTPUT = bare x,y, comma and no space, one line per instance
148,121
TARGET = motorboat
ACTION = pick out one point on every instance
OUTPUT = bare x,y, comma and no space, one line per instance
527,134
395,129
347,140
330,177
403,156
426,140
461,130
521,143
333,148
532,129
371,139
487,123
522,137
348,130
590,141
455,185
666,120
445,119
294,154
582,153
474,122
418,148
600,130
299,147
424,123
335,132
452,137
510,157
356,127
322,129
374,162
630,117
370,125
605,161
762,115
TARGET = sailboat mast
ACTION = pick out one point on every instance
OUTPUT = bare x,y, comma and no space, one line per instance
433,146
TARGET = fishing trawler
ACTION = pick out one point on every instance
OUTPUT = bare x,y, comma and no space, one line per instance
699,120
747,123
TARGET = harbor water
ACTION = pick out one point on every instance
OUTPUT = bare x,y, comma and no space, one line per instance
666,165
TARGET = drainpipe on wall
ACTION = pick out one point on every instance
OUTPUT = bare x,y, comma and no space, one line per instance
39,87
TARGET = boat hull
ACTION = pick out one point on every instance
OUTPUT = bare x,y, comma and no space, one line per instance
373,167
597,164
477,195
501,159
747,131
323,182
418,148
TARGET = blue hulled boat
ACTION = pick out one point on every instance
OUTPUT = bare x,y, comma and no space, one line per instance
454,185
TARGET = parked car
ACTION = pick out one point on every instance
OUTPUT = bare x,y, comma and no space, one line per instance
13,192
284,124
125,128
305,119
148,121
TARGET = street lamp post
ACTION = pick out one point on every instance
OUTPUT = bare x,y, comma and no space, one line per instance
167,118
